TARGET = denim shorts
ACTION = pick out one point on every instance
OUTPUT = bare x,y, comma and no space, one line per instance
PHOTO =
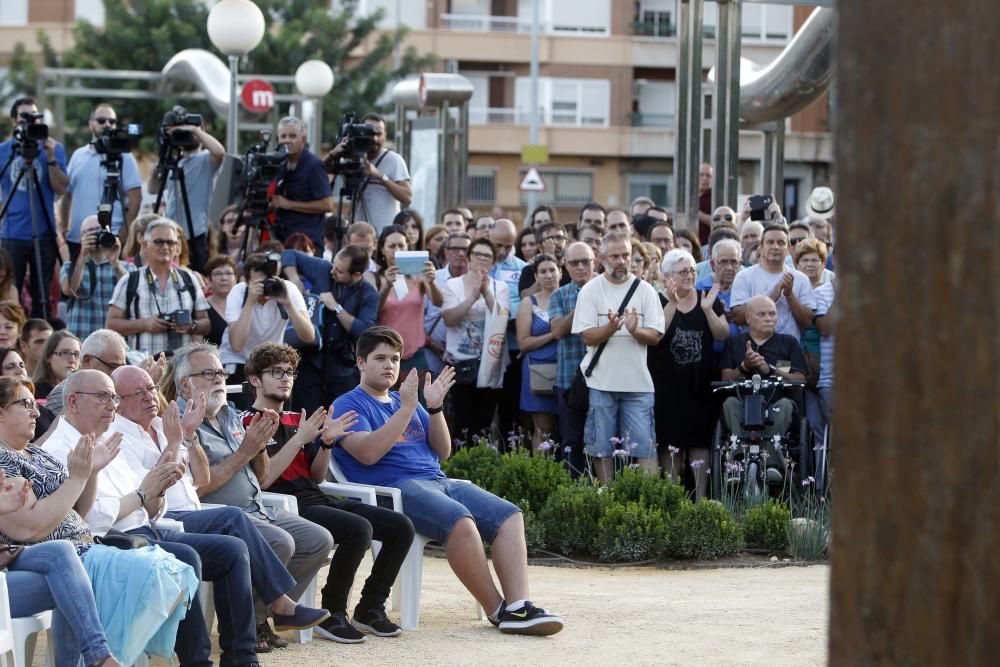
624,415
436,505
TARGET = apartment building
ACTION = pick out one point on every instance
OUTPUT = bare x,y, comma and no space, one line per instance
607,90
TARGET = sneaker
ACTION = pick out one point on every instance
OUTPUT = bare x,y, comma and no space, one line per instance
338,629
529,620
500,611
375,621
267,639
303,618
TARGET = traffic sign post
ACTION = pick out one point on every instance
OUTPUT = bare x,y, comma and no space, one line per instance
532,181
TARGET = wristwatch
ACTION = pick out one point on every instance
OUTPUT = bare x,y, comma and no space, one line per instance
51,163
385,178
338,309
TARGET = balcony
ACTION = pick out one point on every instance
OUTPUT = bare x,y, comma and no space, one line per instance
645,119
513,24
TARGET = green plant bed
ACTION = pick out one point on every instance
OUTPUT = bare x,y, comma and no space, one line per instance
766,526
703,530
568,522
479,465
526,480
649,490
630,532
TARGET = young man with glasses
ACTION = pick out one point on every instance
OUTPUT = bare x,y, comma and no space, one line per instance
298,460
456,254
89,280
553,242
86,184
159,306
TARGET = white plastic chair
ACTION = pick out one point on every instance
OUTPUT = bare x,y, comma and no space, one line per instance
406,591
19,635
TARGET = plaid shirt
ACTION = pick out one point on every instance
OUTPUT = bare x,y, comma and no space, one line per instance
153,302
89,309
571,348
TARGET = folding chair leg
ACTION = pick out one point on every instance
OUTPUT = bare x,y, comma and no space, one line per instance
308,599
408,592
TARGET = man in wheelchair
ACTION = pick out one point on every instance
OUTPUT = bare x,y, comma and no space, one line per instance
762,351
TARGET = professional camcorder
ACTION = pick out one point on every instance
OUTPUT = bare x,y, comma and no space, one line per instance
259,168
350,163
116,141
183,139
28,132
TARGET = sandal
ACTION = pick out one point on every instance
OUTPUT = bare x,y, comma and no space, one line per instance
267,637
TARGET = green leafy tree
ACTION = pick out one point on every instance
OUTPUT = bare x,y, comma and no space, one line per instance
145,34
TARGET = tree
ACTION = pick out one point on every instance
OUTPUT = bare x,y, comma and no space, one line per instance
145,34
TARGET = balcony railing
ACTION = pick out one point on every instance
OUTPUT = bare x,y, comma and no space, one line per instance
654,29
506,116
644,119
511,24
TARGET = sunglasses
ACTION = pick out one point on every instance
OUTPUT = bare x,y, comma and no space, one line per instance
102,120
164,242
578,262
719,216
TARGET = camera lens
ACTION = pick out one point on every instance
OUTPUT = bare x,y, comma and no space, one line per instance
106,239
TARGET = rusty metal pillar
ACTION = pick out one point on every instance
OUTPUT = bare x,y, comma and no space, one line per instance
916,449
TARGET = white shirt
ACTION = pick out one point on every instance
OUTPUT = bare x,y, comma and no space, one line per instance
755,281
116,481
622,366
266,323
142,453
465,340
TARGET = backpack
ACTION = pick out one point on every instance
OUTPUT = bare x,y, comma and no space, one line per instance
132,292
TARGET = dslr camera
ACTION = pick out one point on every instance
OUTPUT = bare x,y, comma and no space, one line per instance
180,317
115,141
273,286
28,132
169,137
759,205
105,237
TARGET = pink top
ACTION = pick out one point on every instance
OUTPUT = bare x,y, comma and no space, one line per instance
406,317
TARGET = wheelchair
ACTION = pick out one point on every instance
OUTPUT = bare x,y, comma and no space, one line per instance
740,464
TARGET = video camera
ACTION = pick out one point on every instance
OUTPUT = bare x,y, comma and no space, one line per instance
183,139
260,167
28,132
115,141
350,164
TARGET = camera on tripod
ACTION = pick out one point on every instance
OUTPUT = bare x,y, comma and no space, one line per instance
260,167
116,141
183,139
105,237
350,164
28,132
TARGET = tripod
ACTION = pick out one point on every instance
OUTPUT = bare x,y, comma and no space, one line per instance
169,168
29,153
111,193
353,189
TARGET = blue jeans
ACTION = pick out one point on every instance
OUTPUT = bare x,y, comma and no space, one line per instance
436,505
224,561
627,415
51,576
268,575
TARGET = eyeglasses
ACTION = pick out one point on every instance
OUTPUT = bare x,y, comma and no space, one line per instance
686,272
165,242
578,262
69,354
223,274
139,393
19,365
210,374
485,226
29,404
556,237
103,120
810,260
103,397
796,240
482,255
457,249
281,373
720,216
111,366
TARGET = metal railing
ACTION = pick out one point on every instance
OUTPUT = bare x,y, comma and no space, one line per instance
645,119
511,25
519,116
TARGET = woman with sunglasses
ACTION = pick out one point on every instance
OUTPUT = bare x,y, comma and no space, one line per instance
136,596
60,357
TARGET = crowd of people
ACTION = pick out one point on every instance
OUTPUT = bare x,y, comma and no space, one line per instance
183,367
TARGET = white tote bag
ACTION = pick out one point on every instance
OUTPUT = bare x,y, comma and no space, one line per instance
493,359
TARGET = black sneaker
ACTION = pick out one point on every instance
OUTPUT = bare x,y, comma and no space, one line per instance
338,629
375,621
500,611
529,620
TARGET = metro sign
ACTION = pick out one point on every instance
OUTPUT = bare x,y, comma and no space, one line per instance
258,96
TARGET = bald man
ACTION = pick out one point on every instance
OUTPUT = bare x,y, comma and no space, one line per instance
762,351
508,268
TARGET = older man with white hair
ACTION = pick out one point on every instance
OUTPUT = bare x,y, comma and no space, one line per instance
303,196
104,350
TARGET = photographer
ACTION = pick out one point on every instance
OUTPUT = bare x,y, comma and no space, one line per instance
258,310
88,281
87,176
158,307
387,180
186,147
18,232
302,196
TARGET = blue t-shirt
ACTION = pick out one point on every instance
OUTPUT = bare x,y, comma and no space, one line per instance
410,458
307,182
86,182
17,223
199,180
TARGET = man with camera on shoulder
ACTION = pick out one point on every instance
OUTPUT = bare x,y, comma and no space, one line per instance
189,160
158,308
386,180
21,226
258,310
89,280
88,174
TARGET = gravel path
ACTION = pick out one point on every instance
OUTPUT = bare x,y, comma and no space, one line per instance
635,616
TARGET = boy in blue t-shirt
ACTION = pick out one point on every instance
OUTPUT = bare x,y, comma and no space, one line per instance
396,442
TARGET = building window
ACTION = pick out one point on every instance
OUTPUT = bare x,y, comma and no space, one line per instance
14,12
481,186
564,187
654,186
411,14
759,21
579,102
656,18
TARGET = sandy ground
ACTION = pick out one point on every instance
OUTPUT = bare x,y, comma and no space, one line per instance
636,616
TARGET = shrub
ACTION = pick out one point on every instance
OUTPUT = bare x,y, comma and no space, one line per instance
648,489
568,522
479,465
526,480
703,530
765,526
534,531
630,532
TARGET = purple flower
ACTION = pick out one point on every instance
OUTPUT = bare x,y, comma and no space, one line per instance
632,445
567,450
819,448
708,471
621,453
808,481
545,446
633,465
615,440
697,463
673,450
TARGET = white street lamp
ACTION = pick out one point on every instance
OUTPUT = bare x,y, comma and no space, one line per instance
235,28
314,79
